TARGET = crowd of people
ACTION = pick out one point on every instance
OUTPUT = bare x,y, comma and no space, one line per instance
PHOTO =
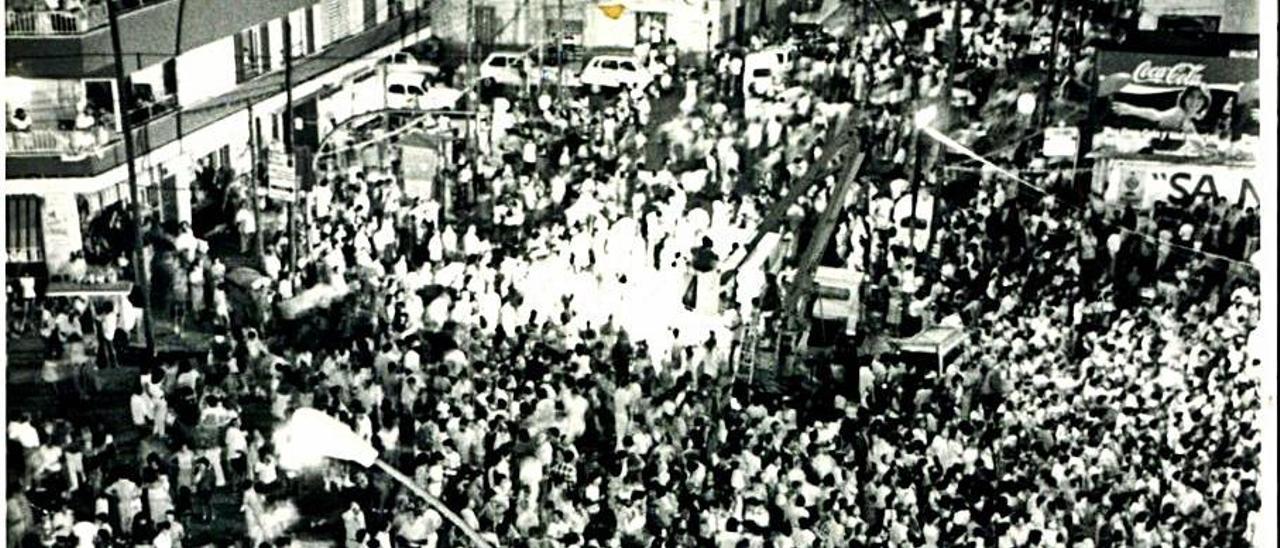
551,362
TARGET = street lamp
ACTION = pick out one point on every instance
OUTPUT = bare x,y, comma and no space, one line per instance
925,117
310,437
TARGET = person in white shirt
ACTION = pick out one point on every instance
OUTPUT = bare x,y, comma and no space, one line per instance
246,227
141,408
24,433
19,121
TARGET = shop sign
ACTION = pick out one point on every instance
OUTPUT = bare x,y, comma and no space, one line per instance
1142,183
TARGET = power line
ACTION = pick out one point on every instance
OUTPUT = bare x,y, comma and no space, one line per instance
951,143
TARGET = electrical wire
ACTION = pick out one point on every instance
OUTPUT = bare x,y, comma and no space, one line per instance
954,145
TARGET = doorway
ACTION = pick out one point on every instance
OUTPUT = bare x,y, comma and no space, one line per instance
103,98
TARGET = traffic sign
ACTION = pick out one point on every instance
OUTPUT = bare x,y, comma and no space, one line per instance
282,178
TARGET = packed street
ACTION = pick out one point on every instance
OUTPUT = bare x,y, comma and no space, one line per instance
939,274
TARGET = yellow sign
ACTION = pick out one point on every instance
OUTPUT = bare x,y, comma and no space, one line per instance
612,11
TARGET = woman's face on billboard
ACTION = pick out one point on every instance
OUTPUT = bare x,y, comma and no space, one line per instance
1194,102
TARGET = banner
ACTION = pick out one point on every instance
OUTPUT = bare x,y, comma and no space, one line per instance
60,224
1175,105
1141,183
419,162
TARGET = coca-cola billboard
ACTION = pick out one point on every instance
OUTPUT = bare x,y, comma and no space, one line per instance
1178,74
1176,105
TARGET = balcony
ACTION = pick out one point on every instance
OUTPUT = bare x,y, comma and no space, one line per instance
34,20
51,149
68,144
56,23
96,142
75,43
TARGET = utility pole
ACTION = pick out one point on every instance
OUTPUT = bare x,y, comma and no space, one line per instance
139,256
914,101
915,180
1046,95
542,48
288,143
253,185
472,73
560,49
952,67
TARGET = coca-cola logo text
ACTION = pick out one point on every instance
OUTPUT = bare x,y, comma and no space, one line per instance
1178,74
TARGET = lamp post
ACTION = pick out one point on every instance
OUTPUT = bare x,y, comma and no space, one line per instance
140,265
310,437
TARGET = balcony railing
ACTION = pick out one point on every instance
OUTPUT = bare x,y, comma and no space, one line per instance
71,144
45,23
68,143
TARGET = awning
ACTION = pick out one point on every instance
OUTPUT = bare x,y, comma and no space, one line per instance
834,16
70,290
939,340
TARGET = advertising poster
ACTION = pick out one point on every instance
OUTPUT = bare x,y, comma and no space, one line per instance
1143,183
1176,105
60,224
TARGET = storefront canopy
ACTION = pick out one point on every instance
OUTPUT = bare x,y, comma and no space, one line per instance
71,290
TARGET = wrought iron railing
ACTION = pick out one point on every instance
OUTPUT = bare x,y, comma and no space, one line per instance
62,142
59,22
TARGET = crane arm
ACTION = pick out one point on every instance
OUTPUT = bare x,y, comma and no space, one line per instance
778,212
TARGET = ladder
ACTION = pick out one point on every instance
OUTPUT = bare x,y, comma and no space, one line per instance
748,346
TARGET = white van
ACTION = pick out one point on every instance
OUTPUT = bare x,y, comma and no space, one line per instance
762,74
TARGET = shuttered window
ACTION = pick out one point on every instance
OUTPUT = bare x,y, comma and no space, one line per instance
23,239
336,25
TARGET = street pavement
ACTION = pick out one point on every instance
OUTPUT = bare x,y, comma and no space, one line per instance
109,404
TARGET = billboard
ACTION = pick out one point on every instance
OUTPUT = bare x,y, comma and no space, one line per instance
1142,183
1176,105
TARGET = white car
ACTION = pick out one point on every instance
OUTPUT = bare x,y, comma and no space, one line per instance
406,62
614,71
505,68
404,95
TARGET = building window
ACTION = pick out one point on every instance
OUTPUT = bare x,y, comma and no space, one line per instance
336,17
310,18
570,28
219,158
651,27
253,52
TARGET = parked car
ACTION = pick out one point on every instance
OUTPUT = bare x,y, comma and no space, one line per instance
505,68
614,71
550,61
406,62
402,95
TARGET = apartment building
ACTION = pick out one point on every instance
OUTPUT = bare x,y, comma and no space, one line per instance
204,77
695,25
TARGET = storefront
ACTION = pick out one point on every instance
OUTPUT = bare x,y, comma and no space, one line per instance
692,25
